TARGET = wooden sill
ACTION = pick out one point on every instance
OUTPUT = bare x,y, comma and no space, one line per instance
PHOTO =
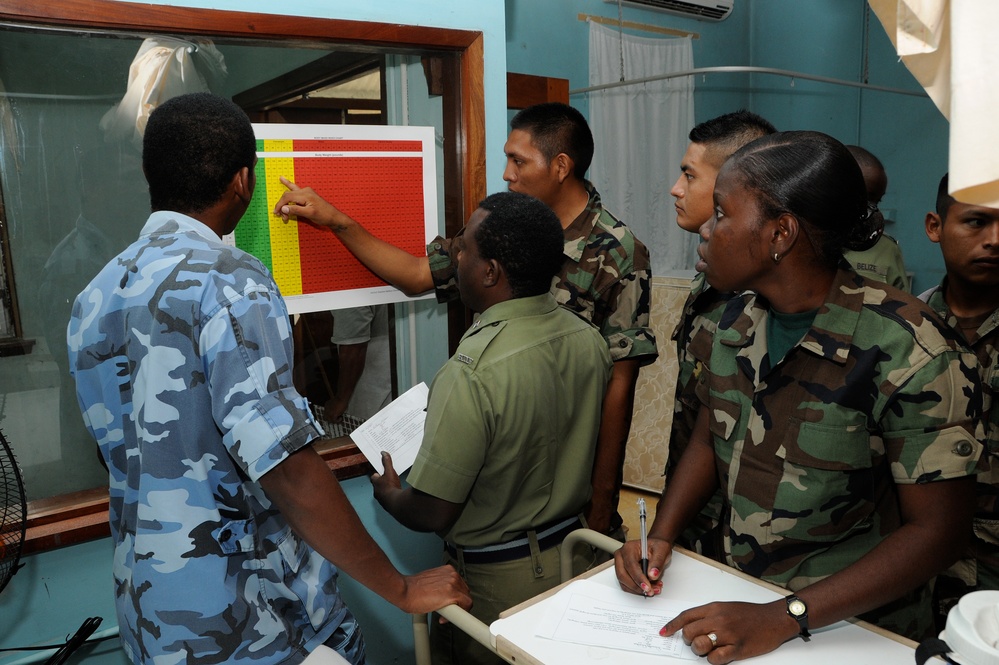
15,346
79,517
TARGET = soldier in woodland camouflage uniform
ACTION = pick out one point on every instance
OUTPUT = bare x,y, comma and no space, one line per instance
968,301
226,523
605,278
840,417
711,143
880,258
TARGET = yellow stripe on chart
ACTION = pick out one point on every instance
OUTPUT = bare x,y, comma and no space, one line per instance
285,259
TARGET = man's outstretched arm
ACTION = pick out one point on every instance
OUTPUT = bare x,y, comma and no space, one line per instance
410,274
310,498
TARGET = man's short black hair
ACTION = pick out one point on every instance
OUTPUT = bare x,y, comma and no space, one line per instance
525,237
875,176
866,158
727,133
556,128
193,145
944,199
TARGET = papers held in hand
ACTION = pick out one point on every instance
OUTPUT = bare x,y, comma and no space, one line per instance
397,429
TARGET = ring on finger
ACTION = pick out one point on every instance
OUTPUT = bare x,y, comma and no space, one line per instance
713,638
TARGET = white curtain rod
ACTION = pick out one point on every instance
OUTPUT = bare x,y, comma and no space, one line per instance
751,70
38,95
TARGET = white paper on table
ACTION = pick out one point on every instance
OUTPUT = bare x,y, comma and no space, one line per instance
583,614
397,429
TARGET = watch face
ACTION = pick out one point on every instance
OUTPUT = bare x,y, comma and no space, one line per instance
796,607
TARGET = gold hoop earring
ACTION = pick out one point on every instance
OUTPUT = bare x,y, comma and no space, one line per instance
777,257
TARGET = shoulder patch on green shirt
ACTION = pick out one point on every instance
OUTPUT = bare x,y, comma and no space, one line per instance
476,340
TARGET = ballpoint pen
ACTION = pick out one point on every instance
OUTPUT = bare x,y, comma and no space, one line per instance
645,538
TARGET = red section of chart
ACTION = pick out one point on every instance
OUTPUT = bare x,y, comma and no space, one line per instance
384,194
374,145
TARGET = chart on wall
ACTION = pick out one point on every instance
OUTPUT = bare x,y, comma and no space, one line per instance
382,176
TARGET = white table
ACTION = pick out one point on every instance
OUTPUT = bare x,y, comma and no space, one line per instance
696,580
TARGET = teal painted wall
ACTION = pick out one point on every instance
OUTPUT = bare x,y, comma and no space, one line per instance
546,38
49,598
911,137
822,37
908,134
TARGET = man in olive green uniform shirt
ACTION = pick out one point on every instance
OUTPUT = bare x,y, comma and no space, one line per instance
968,301
512,420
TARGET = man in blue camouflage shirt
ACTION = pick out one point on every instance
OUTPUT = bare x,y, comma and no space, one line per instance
228,526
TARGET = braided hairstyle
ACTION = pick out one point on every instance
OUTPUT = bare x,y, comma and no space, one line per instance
813,177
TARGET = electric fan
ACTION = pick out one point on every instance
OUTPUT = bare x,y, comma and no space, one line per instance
13,513
13,516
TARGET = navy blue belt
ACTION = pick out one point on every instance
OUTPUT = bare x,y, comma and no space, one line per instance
548,535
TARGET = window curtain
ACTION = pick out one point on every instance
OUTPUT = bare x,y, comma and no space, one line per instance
640,132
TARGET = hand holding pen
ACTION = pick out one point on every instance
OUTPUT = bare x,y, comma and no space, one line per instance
639,563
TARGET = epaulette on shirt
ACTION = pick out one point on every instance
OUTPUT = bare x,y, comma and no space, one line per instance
476,341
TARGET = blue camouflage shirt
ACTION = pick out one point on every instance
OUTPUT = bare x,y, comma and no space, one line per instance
182,355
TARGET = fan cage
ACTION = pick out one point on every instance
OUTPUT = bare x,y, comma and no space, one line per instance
344,427
13,513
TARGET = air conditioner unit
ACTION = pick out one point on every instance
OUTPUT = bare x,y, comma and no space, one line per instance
705,10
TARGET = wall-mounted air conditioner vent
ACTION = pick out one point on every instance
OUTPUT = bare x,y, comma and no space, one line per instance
706,10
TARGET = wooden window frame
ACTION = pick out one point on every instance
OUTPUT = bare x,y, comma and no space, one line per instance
82,516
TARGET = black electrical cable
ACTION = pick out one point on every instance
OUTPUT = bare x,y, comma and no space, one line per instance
75,642
64,650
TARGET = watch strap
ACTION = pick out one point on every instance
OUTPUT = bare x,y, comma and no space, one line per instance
801,617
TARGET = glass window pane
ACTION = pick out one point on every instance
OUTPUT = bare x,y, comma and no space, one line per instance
73,197
72,200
